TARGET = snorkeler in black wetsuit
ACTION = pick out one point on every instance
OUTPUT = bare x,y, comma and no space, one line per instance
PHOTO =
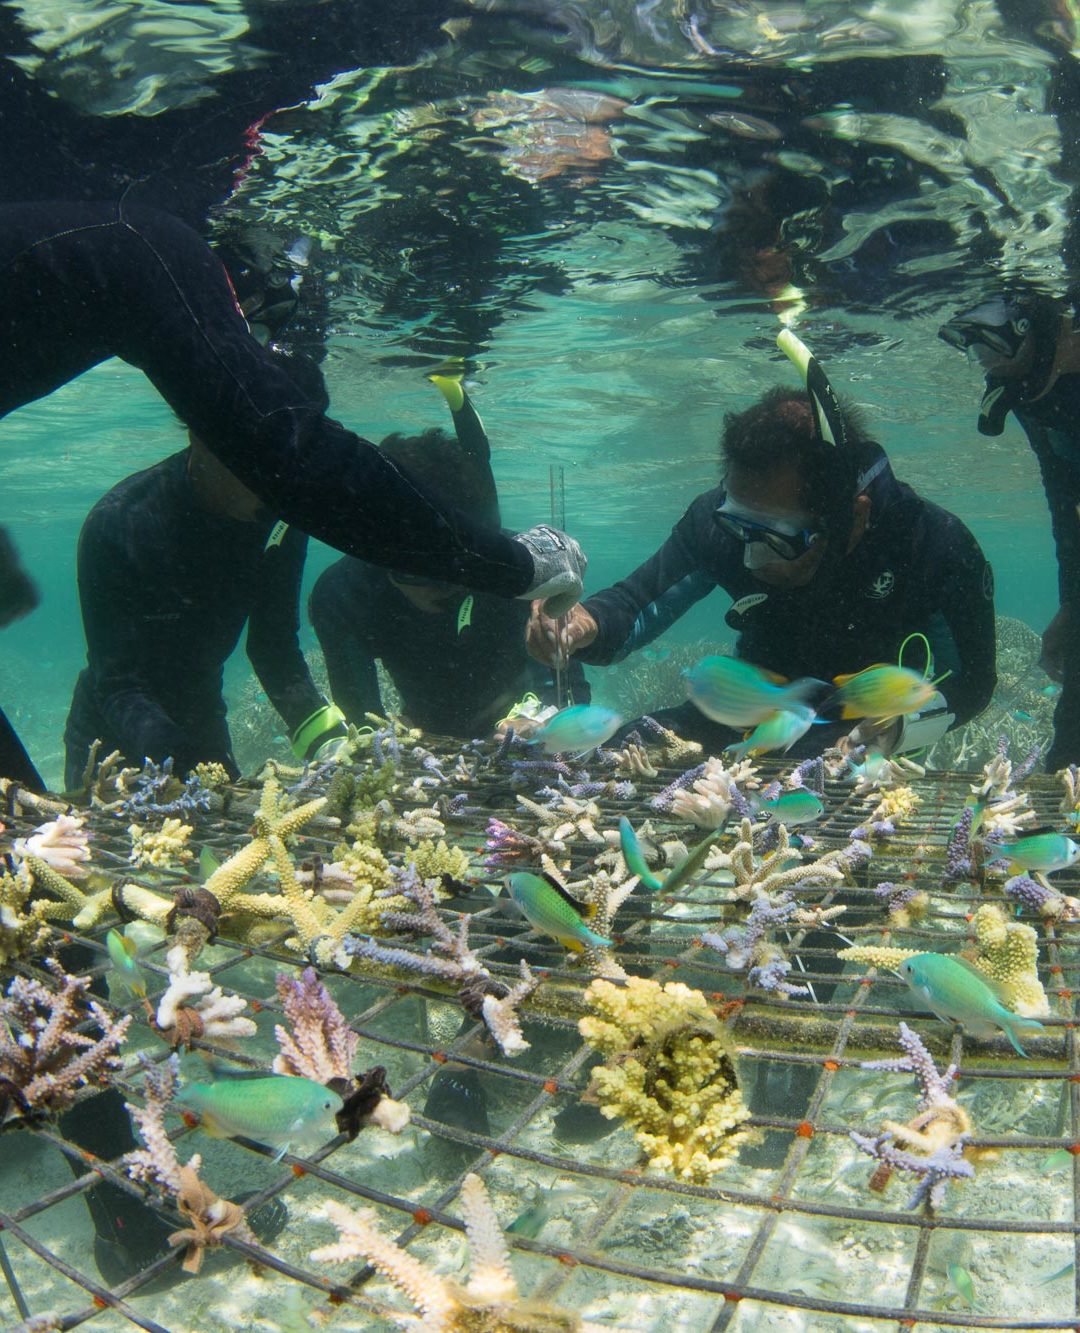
831,565
82,282
161,620
1030,350
457,658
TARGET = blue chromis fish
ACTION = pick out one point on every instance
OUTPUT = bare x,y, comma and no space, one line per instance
794,807
779,731
1039,851
578,729
281,1110
124,973
742,695
882,691
634,856
957,992
549,908
962,1281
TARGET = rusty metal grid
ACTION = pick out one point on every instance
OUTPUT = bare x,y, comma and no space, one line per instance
855,1020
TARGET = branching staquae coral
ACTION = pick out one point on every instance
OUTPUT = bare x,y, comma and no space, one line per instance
670,1074
713,796
434,860
905,903
1038,896
1008,954
779,869
213,1015
24,926
44,1058
164,847
62,844
564,820
488,1303
747,948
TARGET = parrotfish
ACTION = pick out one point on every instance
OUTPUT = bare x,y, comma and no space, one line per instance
550,909
125,973
741,695
578,729
882,691
282,1110
794,807
1038,851
779,731
957,992
633,855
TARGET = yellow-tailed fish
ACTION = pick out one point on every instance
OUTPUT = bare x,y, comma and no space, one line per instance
957,992
779,731
281,1110
793,807
125,973
882,691
741,695
577,730
633,855
549,908
961,1280
1045,852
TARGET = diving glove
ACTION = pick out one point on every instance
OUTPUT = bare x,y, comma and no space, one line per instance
558,568
320,736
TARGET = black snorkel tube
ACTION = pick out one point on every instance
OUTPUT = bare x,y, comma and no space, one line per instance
838,454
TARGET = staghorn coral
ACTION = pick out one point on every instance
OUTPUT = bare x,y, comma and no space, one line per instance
44,1058
434,860
213,1015
748,948
501,1016
418,825
320,1045
711,798
877,955
488,1303
166,846
62,844
934,1171
209,1218
1008,955
564,820
670,1074
775,871
211,774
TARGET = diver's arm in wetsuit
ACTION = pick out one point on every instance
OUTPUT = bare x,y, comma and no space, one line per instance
961,630
162,301
1061,482
340,615
108,596
273,644
637,609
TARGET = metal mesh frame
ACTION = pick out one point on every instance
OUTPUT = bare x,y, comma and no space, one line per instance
830,1036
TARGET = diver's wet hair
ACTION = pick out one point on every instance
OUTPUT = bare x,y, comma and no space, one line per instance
778,431
439,465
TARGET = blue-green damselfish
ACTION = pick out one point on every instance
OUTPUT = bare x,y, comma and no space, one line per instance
634,856
552,911
282,1110
956,991
739,694
1038,851
793,807
779,731
125,972
577,730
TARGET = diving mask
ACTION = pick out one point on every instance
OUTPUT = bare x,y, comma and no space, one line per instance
990,334
767,539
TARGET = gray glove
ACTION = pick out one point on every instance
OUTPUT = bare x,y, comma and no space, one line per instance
558,568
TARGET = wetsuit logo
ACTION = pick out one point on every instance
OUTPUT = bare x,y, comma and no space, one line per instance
744,604
882,586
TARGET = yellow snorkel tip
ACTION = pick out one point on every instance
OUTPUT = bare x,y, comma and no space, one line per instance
447,379
795,350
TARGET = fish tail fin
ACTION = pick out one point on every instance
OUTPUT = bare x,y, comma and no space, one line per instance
280,1153
801,690
850,711
1028,1025
599,941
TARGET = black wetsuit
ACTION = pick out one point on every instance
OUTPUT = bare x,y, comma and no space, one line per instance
917,568
82,282
1052,425
165,588
458,671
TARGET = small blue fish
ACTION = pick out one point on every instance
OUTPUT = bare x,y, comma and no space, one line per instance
779,731
125,973
1046,852
281,1110
550,909
957,992
577,730
1051,691
633,855
962,1281
1022,716
738,694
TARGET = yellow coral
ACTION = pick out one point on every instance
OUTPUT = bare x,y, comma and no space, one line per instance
670,1074
877,955
24,924
211,774
896,803
1009,955
913,910
166,846
435,859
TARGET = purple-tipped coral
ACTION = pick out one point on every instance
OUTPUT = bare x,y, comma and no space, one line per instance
506,846
934,1172
44,1059
958,860
747,947
811,775
318,1043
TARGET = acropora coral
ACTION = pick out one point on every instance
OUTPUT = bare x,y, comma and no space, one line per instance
62,844
670,1074
435,859
45,1057
165,846
488,1303
24,924
192,1006
1008,954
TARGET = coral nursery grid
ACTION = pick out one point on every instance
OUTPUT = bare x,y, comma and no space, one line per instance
797,1171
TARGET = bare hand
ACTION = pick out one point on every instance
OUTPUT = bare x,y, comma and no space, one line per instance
1052,658
18,592
882,735
543,639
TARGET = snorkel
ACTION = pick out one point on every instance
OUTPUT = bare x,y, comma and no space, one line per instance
837,457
